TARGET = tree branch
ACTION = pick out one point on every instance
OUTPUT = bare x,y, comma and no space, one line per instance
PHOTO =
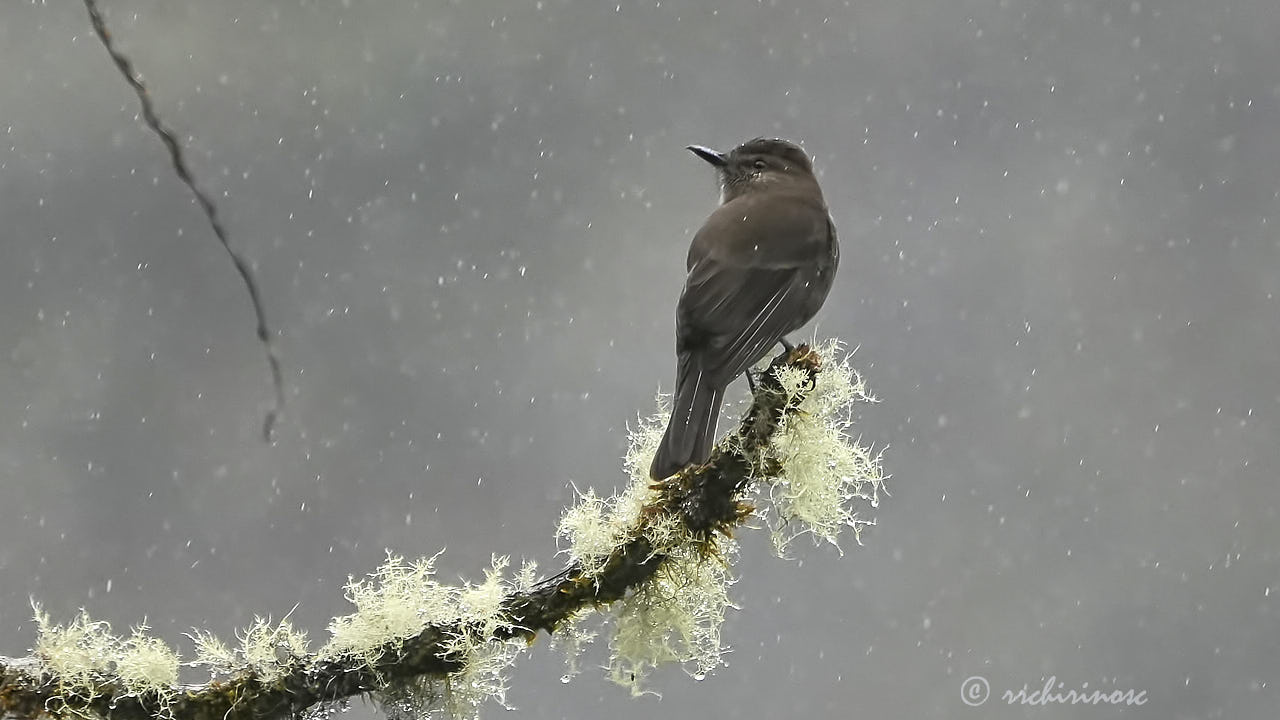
706,501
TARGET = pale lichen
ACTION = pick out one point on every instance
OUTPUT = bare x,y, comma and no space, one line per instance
590,534
146,664
573,637
212,653
673,617
84,656
819,472
401,600
395,604
595,527
270,650
482,677
825,471
76,654
479,616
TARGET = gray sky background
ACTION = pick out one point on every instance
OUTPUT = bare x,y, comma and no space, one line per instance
469,221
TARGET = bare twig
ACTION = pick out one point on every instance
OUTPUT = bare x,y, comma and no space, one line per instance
206,203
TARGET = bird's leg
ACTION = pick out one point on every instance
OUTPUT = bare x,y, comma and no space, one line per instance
751,382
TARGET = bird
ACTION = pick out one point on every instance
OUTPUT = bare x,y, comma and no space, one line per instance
760,267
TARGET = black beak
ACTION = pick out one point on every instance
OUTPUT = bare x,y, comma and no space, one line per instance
711,156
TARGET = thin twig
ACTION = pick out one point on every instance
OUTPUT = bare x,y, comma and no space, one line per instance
210,210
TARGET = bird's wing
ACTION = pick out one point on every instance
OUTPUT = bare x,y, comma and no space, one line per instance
735,314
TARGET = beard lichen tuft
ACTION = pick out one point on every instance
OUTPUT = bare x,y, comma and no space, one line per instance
794,448
84,660
673,617
825,474
395,604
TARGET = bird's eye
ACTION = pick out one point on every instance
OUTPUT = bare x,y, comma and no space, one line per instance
760,164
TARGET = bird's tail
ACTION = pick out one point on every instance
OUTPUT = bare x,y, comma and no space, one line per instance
691,430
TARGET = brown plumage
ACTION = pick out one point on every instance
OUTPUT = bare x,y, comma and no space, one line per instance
760,267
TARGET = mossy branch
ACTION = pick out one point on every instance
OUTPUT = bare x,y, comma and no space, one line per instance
397,646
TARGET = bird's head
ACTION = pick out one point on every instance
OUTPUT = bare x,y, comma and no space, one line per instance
758,164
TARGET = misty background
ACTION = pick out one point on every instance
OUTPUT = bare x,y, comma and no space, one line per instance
469,222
